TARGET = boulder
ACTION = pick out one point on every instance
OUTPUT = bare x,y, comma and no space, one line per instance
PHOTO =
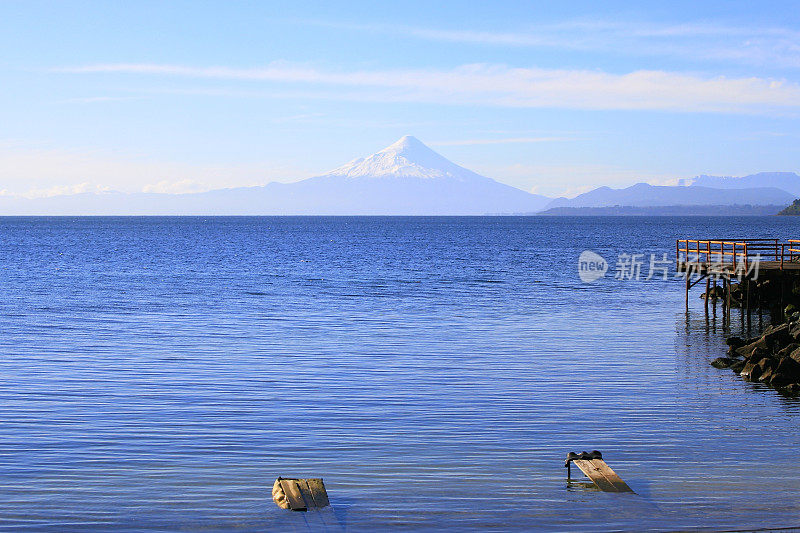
795,355
759,353
738,366
791,388
787,350
794,332
713,293
735,342
750,372
767,363
776,334
747,349
785,372
723,362
778,327
778,380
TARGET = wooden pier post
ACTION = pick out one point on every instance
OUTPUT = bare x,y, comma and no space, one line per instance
687,289
727,280
715,297
708,287
741,312
747,304
747,295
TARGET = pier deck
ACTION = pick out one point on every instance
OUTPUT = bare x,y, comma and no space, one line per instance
729,269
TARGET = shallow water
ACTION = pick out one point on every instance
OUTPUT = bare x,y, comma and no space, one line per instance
159,373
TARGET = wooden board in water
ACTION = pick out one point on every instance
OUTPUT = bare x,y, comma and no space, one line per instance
602,475
293,495
318,492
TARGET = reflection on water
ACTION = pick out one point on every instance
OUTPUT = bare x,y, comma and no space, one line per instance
160,373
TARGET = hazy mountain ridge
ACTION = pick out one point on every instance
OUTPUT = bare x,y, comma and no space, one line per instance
408,178
788,181
645,195
667,210
405,178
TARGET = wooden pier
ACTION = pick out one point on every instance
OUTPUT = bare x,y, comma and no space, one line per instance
743,265
726,256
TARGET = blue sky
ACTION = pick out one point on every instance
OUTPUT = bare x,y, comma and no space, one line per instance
551,98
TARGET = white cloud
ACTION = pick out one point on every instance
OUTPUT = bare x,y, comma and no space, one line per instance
59,190
703,41
500,85
175,187
98,99
33,171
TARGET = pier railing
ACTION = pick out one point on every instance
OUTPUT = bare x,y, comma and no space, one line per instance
738,252
790,251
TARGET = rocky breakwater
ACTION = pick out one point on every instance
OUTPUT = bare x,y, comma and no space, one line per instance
772,359
766,293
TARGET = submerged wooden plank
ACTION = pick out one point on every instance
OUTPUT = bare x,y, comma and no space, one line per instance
318,492
293,495
302,484
610,475
597,477
602,475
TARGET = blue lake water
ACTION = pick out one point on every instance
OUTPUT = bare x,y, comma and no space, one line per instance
160,373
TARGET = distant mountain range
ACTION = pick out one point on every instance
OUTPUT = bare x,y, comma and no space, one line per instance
408,178
788,181
644,195
668,210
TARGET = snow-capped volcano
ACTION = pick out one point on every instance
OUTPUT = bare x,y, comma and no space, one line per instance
408,178
405,178
407,157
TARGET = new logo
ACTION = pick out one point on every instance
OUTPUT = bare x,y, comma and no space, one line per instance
591,266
